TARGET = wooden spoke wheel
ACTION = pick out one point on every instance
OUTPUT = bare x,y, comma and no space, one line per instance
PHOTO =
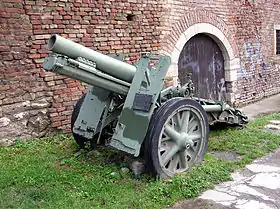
177,137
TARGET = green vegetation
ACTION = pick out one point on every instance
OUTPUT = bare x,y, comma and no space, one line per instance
46,173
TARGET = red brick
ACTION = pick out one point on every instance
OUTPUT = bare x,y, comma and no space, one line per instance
71,85
67,17
27,7
155,45
154,28
36,22
59,9
65,122
34,56
4,48
61,109
36,46
67,131
15,10
56,124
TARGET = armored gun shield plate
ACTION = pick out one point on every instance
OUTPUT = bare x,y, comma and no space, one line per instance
178,137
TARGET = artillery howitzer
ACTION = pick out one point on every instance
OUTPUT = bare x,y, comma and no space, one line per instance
126,107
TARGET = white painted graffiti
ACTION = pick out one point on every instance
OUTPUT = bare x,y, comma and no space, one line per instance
253,52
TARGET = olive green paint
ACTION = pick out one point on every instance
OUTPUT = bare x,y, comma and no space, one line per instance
95,103
134,123
132,126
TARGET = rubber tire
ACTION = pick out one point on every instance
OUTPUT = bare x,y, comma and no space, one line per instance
156,126
147,142
79,139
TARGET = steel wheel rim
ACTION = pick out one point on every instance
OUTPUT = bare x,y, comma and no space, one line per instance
181,140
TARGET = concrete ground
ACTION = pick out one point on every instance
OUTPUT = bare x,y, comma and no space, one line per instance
257,186
266,106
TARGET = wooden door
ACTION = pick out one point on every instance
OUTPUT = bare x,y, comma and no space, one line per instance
204,59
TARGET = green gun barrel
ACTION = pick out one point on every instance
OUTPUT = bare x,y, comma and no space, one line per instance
114,67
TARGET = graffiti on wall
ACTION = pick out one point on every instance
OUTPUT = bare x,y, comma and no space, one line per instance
253,62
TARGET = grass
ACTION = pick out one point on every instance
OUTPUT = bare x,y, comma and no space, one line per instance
46,174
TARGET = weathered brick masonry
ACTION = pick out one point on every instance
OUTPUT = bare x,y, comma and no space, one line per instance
33,102
254,24
248,25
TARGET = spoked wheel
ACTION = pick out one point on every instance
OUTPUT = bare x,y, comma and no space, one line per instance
177,137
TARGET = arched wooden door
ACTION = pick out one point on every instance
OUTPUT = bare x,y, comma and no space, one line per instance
204,59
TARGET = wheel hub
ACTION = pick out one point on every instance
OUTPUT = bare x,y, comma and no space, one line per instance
184,142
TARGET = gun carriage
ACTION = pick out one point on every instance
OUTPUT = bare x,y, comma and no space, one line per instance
127,107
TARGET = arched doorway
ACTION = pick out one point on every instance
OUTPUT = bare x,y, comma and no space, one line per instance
202,57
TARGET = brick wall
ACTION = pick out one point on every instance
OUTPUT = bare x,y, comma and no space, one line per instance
34,102
254,22
249,27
